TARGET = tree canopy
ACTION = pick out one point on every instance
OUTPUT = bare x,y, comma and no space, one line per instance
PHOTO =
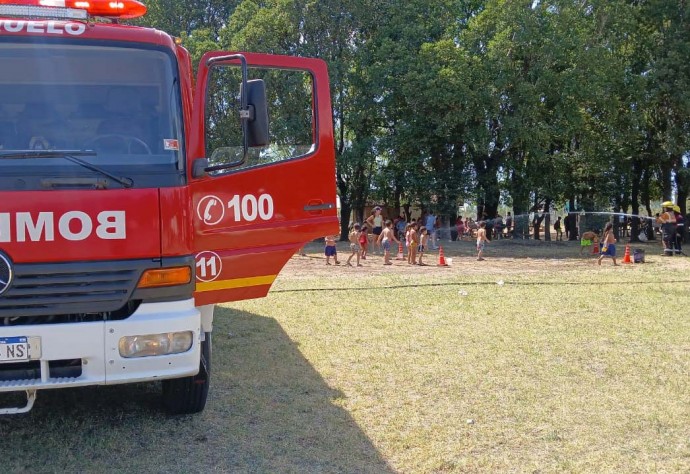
439,102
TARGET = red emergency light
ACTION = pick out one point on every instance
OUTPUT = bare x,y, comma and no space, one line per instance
123,9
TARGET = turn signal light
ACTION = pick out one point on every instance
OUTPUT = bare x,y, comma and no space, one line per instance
158,277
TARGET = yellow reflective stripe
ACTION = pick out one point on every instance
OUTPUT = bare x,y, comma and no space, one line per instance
235,283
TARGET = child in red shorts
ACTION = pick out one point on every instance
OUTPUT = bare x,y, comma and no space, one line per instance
363,242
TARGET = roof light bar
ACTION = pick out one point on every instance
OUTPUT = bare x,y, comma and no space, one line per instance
28,11
123,9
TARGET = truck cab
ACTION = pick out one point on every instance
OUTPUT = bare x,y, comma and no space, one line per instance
134,196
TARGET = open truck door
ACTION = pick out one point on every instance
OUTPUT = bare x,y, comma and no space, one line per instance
261,184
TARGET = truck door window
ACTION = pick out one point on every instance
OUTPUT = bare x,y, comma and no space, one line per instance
290,110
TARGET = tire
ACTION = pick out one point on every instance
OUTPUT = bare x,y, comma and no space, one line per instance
187,395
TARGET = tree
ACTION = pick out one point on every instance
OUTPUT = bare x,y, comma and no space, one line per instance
184,18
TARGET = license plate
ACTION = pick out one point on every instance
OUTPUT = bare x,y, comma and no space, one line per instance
14,349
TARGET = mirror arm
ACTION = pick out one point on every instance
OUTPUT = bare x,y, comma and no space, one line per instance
248,114
244,109
200,168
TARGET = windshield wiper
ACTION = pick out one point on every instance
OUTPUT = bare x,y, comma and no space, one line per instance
70,155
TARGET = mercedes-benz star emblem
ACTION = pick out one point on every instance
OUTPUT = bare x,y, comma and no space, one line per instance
6,273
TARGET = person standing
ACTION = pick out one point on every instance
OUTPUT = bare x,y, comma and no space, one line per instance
331,250
557,228
414,242
430,224
608,245
481,240
498,226
407,238
387,234
680,229
423,242
460,225
375,221
566,227
400,226
363,242
509,225
667,220
355,248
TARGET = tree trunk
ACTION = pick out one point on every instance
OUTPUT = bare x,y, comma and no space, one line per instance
573,219
666,182
536,222
396,201
547,220
345,210
589,221
616,218
644,192
488,192
683,187
520,196
635,202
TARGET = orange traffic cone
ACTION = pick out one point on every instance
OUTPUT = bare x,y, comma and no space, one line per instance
441,257
626,257
595,248
400,252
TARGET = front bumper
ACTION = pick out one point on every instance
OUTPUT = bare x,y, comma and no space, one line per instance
95,344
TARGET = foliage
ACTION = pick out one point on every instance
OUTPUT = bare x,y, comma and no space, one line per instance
440,102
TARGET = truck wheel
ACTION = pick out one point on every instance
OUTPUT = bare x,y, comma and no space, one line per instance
188,394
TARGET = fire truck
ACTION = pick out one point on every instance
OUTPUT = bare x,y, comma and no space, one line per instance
134,196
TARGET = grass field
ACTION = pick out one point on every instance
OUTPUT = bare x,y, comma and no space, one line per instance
565,367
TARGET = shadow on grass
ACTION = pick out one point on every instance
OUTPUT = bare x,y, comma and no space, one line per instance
269,410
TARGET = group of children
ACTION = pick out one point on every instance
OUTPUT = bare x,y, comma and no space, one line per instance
608,243
416,242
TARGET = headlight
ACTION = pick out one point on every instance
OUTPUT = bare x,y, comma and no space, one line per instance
156,344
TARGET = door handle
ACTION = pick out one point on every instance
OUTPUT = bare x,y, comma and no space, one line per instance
319,207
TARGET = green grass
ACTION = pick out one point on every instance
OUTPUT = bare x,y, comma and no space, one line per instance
568,368
556,372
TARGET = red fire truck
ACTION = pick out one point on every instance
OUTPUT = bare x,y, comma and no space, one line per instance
133,197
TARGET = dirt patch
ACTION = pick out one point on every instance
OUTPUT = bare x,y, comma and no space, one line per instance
509,257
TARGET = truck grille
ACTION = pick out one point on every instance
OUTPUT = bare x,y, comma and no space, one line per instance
70,288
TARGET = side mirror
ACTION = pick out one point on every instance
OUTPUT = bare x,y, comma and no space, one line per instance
257,125
253,114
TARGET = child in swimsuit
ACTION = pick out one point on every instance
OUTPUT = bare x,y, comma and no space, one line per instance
414,242
481,240
608,245
331,250
423,240
588,238
363,242
384,239
353,237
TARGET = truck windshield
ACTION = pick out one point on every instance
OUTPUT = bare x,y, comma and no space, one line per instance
120,102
